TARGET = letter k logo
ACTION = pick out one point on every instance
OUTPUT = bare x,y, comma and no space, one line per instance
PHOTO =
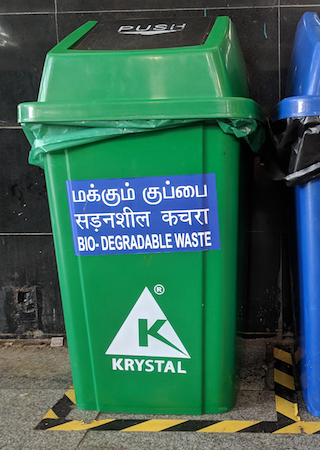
151,336
152,331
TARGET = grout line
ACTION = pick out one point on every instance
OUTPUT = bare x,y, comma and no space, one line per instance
30,13
300,6
56,19
26,234
27,13
279,51
13,127
216,8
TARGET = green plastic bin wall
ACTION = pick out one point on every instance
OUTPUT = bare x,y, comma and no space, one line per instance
152,324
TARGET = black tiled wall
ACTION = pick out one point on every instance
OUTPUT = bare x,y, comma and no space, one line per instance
30,302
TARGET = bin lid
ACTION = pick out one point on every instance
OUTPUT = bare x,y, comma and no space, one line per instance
304,69
298,106
184,61
303,82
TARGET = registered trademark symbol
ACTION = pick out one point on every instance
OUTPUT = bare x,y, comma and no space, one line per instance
159,289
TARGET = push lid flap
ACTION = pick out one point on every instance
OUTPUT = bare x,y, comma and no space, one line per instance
142,34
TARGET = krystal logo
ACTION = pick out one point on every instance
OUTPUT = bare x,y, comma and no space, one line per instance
149,30
147,332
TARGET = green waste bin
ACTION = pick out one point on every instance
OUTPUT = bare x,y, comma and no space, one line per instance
139,127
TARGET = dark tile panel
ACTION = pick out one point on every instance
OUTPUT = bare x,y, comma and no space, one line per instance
18,6
268,201
262,309
287,293
291,310
24,42
30,303
289,21
259,46
115,5
257,30
23,197
251,3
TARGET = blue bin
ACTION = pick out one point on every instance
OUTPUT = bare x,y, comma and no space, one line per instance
303,102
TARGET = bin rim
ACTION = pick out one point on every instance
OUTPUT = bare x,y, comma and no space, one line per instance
217,108
297,106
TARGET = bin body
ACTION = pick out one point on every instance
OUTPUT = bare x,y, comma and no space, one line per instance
146,226
200,298
308,239
303,105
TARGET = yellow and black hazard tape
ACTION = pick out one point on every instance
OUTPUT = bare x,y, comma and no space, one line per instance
288,420
284,385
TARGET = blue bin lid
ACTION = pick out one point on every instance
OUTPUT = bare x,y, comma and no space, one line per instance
304,70
303,83
299,106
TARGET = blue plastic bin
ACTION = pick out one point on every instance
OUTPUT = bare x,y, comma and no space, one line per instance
303,100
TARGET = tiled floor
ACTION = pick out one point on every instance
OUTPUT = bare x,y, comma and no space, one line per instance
34,377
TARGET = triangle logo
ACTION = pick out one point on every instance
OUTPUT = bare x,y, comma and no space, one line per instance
147,332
